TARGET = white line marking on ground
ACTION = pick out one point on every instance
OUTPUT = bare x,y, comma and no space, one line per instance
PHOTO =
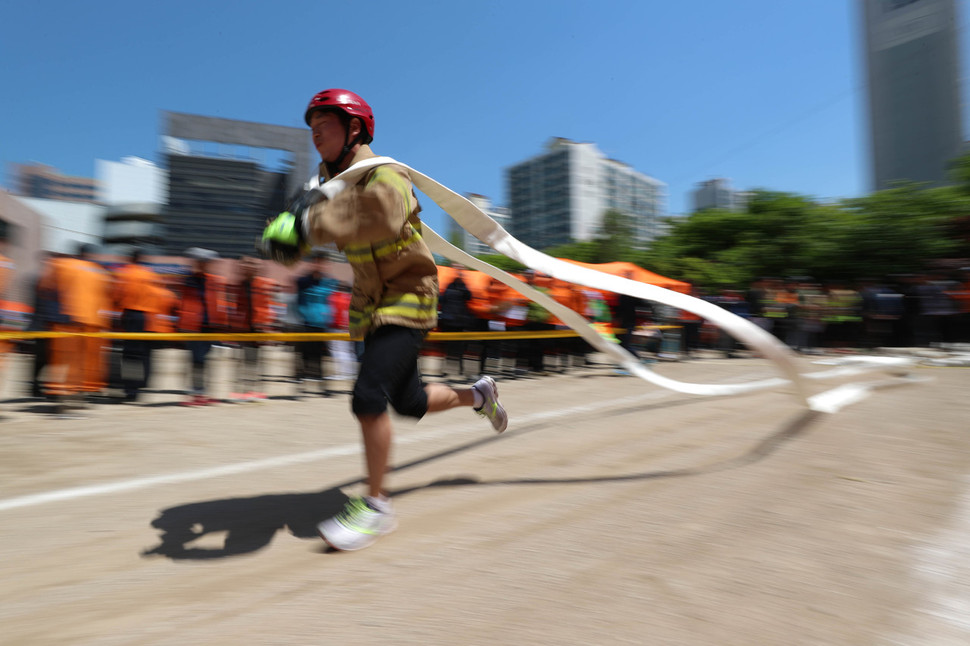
296,458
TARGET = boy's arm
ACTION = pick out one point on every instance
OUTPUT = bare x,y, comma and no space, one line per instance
342,214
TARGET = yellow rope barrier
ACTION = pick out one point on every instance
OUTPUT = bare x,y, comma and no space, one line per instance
297,336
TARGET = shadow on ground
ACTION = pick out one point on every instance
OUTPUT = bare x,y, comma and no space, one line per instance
249,524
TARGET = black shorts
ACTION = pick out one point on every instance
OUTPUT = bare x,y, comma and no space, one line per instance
389,373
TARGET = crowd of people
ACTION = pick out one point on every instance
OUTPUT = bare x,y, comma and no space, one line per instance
77,294
912,310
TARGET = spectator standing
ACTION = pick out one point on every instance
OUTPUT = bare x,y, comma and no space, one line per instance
493,307
77,362
733,301
252,298
46,313
960,293
537,319
314,290
455,316
6,277
779,308
690,325
202,308
808,325
343,353
626,317
934,309
881,308
571,296
136,297
757,297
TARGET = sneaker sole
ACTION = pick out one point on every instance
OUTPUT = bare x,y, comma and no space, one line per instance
352,549
355,549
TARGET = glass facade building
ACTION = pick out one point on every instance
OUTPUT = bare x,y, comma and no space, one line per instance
220,193
914,89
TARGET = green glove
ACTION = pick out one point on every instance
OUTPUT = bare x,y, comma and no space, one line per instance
283,240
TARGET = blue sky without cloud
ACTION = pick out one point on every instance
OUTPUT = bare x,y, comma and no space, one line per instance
767,93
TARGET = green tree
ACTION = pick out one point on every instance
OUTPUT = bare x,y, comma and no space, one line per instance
581,251
900,229
717,248
616,237
502,262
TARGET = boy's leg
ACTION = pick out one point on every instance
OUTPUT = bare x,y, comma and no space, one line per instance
483,396
388,370
388,363
377,432
443,397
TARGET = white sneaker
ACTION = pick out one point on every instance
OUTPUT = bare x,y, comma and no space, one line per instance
492,409
357,526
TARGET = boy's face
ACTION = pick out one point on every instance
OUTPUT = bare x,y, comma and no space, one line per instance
328,135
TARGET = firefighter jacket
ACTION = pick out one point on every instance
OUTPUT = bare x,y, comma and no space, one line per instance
375,223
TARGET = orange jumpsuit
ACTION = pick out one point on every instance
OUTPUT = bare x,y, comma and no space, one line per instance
82,289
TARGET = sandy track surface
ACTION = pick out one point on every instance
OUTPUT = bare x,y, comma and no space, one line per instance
609,513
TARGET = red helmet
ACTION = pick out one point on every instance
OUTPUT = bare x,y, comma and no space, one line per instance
345,101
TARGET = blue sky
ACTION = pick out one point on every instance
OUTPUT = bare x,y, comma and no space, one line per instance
768,93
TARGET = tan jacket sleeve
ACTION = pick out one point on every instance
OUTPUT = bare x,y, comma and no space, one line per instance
374,209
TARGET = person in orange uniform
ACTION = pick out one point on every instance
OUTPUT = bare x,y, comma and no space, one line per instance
78,364
252,297
506,311
690,325
203,308
6,277
136,297
572,297
163,321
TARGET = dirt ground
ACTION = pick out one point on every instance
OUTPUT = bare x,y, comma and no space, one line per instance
610,512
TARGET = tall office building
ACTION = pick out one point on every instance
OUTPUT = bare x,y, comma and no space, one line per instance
914,89
561,195
226,178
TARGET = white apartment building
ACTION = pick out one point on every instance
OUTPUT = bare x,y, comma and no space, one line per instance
561,195
718,194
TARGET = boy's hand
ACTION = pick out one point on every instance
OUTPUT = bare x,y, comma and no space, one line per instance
282,239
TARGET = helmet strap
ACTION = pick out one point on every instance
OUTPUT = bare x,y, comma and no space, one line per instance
334,167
